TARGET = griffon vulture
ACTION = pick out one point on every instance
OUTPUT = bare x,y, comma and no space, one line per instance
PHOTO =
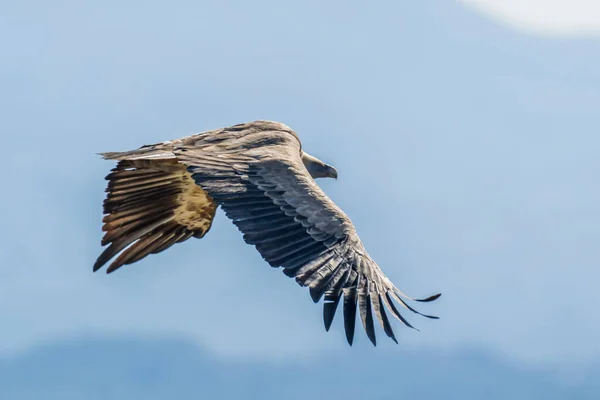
259,175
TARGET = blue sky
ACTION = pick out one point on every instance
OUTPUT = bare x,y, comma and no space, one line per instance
467,154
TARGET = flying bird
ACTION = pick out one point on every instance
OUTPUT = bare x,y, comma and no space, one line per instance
260,176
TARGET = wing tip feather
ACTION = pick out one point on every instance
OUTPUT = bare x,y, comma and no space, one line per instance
315,294
430,298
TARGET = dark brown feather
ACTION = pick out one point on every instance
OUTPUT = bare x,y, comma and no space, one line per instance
151,205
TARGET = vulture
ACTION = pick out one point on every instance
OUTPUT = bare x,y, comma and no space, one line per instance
260,176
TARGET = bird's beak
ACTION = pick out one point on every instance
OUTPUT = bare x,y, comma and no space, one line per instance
332,172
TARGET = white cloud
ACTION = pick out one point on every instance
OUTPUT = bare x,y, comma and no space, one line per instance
549,17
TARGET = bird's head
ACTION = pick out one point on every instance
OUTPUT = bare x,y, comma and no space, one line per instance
317,168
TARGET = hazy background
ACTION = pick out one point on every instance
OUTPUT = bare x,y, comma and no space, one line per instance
468,160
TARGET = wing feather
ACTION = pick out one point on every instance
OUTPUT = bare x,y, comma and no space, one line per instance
350,298
382,316
332,297
366,314
150,205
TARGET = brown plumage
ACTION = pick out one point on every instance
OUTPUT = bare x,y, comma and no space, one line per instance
152,204
260,176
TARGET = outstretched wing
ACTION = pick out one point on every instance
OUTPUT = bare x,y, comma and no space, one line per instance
151,204
262,185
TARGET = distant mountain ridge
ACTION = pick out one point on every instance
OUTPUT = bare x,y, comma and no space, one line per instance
163,369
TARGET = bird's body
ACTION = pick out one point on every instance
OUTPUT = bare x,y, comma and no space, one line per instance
259,175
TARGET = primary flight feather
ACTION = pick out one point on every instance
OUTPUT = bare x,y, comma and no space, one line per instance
259,175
